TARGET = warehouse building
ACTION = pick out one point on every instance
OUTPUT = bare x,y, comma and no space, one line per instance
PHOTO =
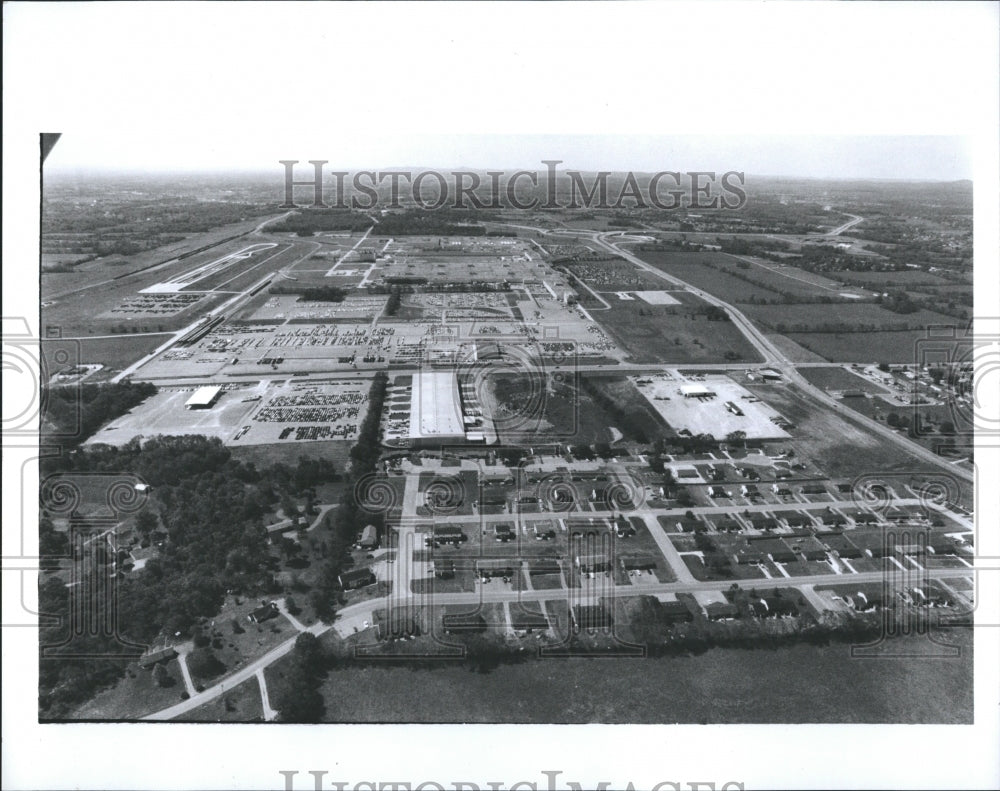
203,397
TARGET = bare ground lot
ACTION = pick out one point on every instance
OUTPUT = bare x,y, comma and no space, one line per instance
839,448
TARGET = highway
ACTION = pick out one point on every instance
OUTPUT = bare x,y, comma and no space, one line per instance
841,228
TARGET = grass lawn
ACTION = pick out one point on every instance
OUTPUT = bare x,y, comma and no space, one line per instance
135,696
241,704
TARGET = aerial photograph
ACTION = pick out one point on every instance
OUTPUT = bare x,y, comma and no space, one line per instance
550,445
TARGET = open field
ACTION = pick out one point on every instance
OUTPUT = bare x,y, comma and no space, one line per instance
694,268
793,351
837,378
863,347
115,354
673,334
842,316
721,685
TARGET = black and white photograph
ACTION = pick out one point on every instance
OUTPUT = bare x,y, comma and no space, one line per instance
501,395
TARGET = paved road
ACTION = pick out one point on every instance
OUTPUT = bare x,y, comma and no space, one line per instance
840,229
265,700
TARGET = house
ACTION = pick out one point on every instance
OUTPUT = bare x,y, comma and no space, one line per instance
750,490
522,620
749,555
717,492
638,563
543,534
154,657
591,616
779,551
928,598
560,497
487,568
813,488
675,612
841,545
865,601
497,498
504,533
589,564
761,522
462,621
807,547
444,569
870,542
721,611
264,613
781,490
726,524
397,622
356,578
369,537
686,525
941,545
797,520
446,534
544,566
773,607
623,529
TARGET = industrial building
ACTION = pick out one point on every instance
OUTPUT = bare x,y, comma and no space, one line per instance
441,413
203,397
697,391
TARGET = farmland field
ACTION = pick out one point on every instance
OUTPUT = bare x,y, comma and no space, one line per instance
836,378
674,334
849,316
889,347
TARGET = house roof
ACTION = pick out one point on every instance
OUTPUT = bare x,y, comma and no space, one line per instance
356,574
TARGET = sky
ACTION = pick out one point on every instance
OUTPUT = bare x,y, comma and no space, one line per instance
815,89
815,156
